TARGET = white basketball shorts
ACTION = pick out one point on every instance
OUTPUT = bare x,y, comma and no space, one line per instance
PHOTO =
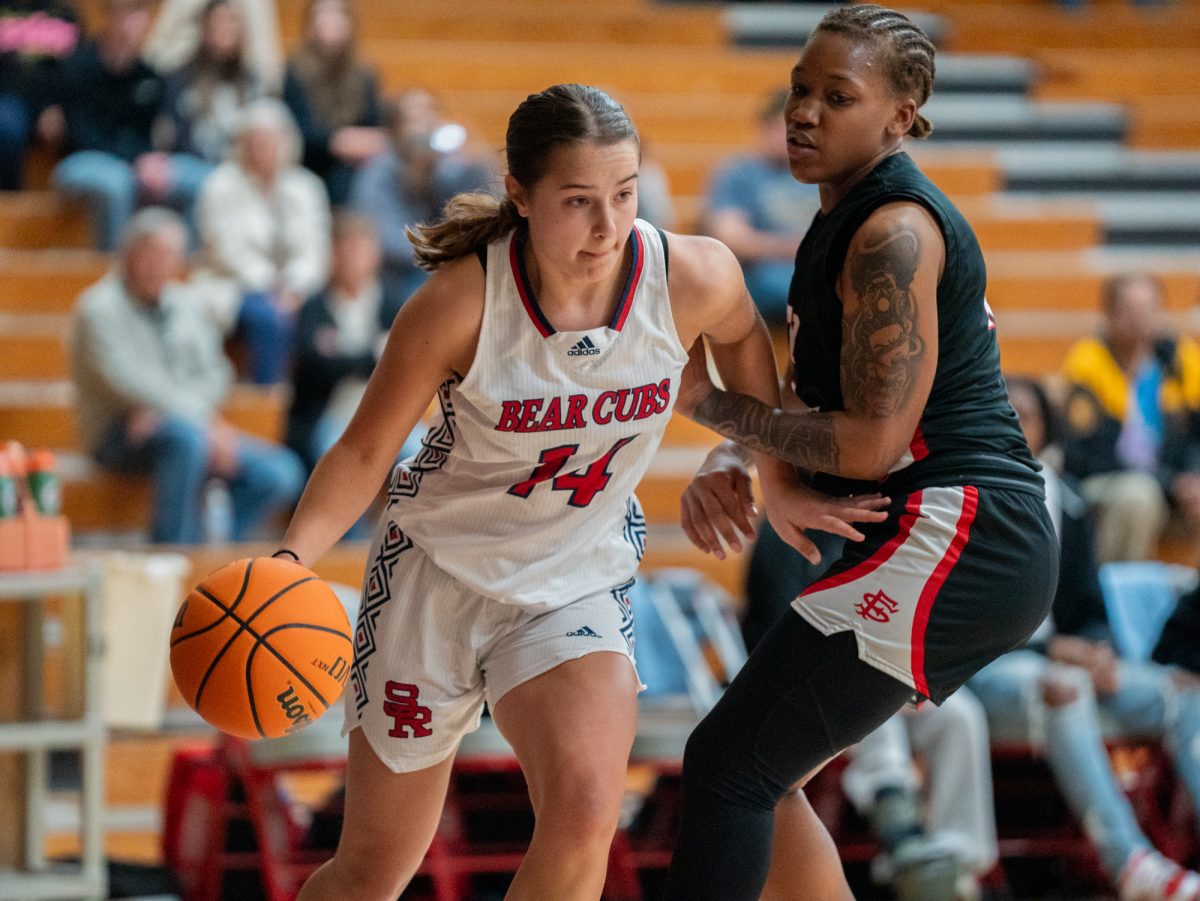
428,651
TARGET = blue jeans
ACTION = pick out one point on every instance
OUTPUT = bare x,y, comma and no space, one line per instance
109,186
1145,704
14,140
268,477
267,332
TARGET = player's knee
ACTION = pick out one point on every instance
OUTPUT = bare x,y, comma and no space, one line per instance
368,875
587,799
715,764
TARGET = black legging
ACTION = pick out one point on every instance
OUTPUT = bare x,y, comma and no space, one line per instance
800,699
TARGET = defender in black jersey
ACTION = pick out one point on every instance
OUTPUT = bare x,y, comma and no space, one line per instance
896,390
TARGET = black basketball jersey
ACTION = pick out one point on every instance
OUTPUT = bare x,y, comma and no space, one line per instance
968,433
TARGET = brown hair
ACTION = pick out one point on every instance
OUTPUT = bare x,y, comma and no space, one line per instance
561,115
910,66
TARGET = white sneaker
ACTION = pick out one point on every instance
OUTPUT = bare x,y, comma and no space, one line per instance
1148,876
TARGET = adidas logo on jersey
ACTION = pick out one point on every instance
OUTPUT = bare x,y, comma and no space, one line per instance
585,632
583,348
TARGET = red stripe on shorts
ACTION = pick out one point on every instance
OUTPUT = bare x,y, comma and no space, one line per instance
935,583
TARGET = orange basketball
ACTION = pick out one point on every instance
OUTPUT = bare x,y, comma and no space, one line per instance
261,647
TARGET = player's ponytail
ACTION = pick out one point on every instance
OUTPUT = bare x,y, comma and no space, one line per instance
561,115
469,221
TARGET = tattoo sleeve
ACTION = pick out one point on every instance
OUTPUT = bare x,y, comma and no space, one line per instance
881,350
802,439
880,358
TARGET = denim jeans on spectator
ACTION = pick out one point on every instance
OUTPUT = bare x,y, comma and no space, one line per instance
267,333
1145,704
14,140
109,186
268,478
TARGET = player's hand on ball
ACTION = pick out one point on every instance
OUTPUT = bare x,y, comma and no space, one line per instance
261,647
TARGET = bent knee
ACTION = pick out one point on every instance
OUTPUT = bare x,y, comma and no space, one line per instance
585,799
370,874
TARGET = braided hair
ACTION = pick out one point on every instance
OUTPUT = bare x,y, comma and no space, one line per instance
909,53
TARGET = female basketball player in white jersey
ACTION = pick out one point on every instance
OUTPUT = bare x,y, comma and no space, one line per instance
554,338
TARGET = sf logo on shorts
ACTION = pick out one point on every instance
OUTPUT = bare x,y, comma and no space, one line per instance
878,607
410,719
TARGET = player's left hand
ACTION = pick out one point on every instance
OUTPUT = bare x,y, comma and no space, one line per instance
695,384
794,507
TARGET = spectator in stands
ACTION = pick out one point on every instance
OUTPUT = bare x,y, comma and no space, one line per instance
113,105
423,166
151,375
1132,414
207,96
1054,688
930,850
36,37
340,334
177,31
264,227
760,212
334,96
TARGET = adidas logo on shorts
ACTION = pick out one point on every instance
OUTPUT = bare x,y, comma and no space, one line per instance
585,632
583,348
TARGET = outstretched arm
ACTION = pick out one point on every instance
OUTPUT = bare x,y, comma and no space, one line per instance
888,288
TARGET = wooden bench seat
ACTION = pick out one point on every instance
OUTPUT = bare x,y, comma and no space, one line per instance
46,281
42,219
517,20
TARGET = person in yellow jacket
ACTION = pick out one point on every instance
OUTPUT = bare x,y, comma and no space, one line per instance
1132,430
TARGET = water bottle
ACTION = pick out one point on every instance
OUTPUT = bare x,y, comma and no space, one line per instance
43,483
8,488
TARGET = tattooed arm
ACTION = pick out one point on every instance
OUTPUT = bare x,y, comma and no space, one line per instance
888,288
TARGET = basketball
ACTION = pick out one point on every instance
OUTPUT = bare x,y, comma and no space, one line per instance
261,648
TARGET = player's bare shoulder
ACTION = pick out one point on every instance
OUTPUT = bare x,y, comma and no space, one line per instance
705,284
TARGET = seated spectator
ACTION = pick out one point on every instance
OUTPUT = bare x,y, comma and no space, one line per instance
264,227
761,212
931,851
1053,689
36,37
410,182
175,37
340,334
208,95
334,96
936,848
150,376
113,106
1132,415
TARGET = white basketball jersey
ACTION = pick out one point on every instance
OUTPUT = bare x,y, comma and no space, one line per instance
524,490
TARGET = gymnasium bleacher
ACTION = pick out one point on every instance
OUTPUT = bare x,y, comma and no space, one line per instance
1070,139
